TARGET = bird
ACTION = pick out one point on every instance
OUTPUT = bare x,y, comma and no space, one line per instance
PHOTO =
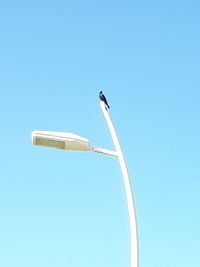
103,98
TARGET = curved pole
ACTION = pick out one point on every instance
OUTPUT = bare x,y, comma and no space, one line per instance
134,250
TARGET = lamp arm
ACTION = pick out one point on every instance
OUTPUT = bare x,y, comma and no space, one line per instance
103,151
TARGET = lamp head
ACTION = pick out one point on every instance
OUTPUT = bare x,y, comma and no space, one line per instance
60,140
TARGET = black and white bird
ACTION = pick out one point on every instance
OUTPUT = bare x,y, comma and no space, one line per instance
103,98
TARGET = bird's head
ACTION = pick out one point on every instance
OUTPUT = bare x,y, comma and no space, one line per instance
100,92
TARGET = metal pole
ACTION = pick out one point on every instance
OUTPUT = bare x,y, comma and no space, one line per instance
134,248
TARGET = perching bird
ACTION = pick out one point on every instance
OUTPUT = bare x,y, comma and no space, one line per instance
103,98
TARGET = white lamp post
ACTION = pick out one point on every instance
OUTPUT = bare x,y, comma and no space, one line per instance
69,141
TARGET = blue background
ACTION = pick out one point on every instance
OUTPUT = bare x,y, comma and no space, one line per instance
60,208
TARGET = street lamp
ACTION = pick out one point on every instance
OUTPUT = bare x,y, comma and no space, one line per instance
66,141
70,141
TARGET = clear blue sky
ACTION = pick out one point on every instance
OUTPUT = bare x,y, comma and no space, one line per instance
60,208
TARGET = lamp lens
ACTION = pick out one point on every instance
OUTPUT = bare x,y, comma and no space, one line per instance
50,143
